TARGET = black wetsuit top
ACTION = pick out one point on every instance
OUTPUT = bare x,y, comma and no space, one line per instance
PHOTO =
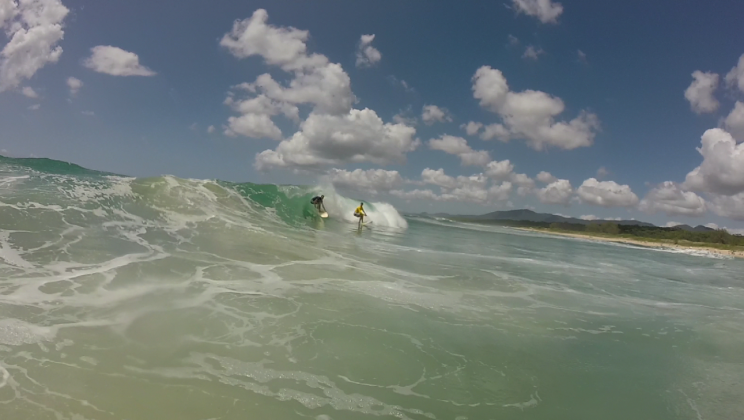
316,200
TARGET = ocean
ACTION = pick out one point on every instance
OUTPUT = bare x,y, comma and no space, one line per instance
165,298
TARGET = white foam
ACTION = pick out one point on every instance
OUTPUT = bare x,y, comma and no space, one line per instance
378,212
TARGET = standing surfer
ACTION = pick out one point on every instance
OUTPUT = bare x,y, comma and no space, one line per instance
359,212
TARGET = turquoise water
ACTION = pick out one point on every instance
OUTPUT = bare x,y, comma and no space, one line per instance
165,298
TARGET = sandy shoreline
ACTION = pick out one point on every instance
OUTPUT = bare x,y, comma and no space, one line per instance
723,252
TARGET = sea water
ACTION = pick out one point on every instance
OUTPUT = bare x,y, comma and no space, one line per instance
165,298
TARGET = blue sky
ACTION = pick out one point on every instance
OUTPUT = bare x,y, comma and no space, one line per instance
155,76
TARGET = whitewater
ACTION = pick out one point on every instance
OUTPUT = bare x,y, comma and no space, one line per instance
168,298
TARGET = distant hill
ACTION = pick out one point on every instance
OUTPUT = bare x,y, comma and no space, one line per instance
531,216
699,228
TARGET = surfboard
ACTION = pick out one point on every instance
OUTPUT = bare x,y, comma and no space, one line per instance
324,214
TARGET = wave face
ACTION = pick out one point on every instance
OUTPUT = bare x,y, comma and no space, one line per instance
162,297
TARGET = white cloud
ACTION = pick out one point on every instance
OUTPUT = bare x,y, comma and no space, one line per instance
589,217
729,206
722,170
367,55
606,194
210,129
398,82
405,117
433,113
469,189
116,62
712,226
74,85
544,10
602,172
35,107
734,122
557,192
325,140
193,127
736,76
546,177
700,92
513,40
497,131
29,92
525,183
500,170
582,56
315,81
254,126
673,224
532,53
458,146
671,199
33,28
256,112
416,195
472,128
372,180
531,114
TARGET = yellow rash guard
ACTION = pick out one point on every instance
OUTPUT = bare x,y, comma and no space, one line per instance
360,210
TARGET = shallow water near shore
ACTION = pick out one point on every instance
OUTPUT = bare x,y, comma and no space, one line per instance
164,298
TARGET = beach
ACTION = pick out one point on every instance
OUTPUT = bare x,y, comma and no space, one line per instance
641,242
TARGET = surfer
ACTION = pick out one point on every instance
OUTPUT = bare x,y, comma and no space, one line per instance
359,212
318,203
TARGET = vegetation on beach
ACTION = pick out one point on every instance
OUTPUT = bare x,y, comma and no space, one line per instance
720,239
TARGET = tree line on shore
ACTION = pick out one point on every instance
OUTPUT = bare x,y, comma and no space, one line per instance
718,236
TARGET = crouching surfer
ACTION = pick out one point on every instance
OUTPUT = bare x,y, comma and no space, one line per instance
318,203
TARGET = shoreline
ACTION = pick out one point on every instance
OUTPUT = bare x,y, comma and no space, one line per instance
640,242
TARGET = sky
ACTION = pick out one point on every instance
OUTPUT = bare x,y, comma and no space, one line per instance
630,109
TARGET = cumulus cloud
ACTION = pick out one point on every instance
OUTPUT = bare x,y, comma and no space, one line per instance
700,92
734,122
589,217
532,53
735,78
458,146
606,194
356,137
210,129
116,62
74,85
729,206
495,131
671,199
372,180
34,30
499,170
29,92
433,113
530,115
546,177
557,192
722,170
367,55
672,224
470,189
544,10
602,172
315,80
472,128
